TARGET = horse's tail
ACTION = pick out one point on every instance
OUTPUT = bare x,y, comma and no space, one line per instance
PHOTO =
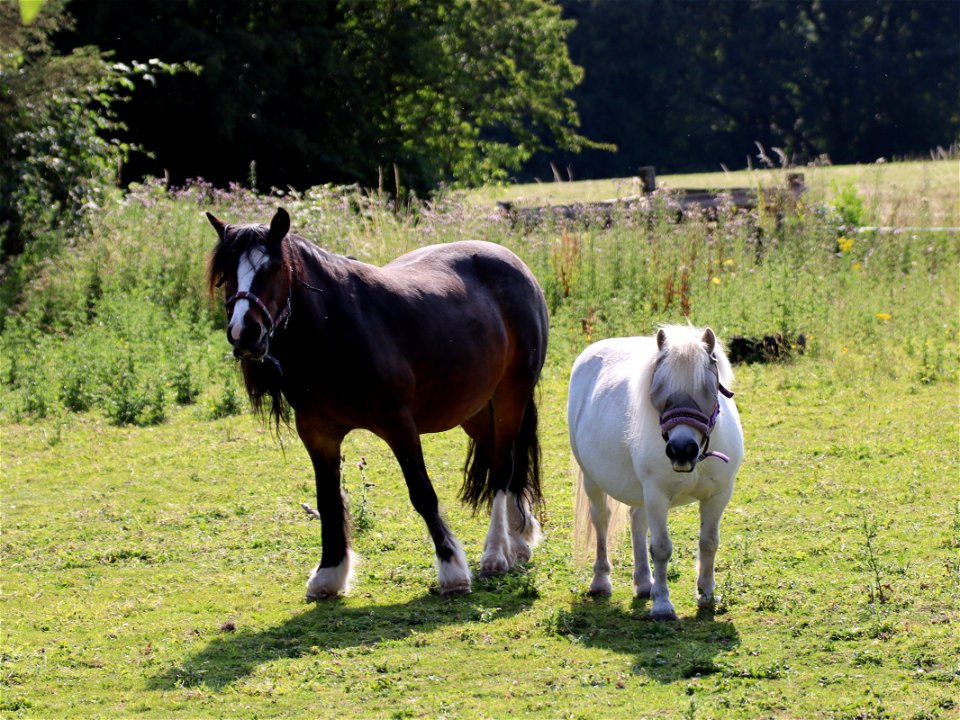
477,489
584,534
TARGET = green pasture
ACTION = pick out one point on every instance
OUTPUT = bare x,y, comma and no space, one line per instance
904,193
154,553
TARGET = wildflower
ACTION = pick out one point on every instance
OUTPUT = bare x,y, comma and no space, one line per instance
728,262
856,267
715,280
845,244
882,316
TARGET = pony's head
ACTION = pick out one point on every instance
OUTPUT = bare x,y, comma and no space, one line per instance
248,264
690,371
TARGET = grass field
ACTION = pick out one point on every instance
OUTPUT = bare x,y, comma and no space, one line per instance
907,193
160,572
154,553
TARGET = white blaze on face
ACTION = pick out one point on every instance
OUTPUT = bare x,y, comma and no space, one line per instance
251,262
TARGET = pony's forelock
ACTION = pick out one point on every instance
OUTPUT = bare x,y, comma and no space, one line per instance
684,349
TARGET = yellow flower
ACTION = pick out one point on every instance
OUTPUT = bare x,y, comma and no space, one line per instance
882,316
715,280
856,266
845,244
728,262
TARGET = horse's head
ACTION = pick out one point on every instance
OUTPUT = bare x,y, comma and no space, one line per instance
248,264
684,390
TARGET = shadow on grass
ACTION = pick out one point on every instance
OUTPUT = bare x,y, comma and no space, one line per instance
337,624
665,651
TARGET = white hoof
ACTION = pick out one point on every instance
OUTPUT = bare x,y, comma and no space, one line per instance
601,586
494,563
664,611
454,574
331,581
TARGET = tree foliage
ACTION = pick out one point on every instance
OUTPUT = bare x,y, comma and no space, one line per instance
690,85
54,118
298,92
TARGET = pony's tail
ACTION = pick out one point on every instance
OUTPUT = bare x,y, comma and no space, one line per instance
584,534
477,489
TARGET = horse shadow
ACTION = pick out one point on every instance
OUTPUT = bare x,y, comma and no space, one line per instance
664,651
337,623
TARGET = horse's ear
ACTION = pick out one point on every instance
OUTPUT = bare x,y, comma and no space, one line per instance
709,339
661,339
219,225
279,226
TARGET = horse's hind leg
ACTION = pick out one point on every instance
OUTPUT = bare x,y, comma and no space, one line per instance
711,510
509,438
452,569
642,580
600,516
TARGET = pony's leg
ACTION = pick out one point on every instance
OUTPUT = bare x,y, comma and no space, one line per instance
660,551
452,569
332,576
600,516
711,510
642,580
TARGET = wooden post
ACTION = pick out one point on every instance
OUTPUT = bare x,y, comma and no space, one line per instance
648,178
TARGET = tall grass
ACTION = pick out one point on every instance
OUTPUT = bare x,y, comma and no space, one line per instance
120,323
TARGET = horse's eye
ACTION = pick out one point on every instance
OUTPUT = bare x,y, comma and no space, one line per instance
221,281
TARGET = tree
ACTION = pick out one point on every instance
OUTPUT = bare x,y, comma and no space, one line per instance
690,85
299,92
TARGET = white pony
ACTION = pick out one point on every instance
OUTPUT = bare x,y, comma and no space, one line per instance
653,425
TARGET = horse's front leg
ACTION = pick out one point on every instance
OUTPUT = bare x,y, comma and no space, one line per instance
332,576
660,551
711,510
452,570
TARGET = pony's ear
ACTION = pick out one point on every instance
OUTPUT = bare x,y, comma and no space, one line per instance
279,226
661,339
219,225
709,339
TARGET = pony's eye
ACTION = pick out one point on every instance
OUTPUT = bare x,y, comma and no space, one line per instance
221,281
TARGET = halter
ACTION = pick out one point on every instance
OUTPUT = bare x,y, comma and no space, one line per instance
272,322
697,420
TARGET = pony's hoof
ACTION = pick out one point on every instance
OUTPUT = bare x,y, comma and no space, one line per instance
705,601
601,588
642,590
664,615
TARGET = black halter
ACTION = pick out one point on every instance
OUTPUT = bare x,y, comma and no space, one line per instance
272,322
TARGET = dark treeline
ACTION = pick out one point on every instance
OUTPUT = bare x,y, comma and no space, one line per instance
299,92
686,86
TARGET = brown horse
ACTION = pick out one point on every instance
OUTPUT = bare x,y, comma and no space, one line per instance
445,335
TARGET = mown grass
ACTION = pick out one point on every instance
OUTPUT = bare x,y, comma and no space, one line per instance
154,564
159,572
922,193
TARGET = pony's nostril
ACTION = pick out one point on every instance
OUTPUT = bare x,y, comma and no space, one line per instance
682,451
